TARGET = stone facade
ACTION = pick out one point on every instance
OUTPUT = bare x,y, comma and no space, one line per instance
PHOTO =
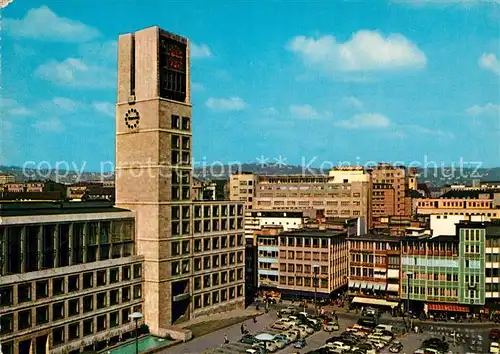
154,177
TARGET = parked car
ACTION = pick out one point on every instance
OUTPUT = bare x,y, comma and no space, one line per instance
301,343
396,347
495,333
278,343
258,350
282,323
307,328
494,347
268,345
248,339
290,310
282,338
436,343
302,332
331,326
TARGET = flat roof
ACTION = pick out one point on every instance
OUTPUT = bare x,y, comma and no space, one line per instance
56,208
314,233
375,237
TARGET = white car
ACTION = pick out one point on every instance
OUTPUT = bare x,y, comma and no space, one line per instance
331,326
377,343
339,345
303,333
292,336
270,346
308,329
494,347
283,323
380,336
279,344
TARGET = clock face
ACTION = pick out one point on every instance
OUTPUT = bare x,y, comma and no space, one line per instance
175,58
132,118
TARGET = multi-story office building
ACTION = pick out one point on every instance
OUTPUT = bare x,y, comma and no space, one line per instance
255,220
446,273
267,250
345,193
374,269
6,178
312,261
397,177
154,178
69,276
462,202
492,271
242,188
383,200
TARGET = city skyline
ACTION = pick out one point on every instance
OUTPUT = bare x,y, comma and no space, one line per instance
393,81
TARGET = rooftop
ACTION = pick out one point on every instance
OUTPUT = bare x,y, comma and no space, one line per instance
56,208
469,194
314,233
375,237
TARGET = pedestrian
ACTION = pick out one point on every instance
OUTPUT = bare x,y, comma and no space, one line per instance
254,318
242,329
226,340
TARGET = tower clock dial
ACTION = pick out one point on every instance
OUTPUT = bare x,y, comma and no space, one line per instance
132,118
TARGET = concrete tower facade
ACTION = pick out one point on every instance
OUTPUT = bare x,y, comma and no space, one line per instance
154,178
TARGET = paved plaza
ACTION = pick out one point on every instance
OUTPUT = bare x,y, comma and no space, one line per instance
213,342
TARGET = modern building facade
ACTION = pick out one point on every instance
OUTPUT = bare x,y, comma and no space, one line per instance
312,261
242,188
396,176
154,178
69,276
374,269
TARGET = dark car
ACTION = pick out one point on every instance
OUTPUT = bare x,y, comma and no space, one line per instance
436,343
495,333
301,343
248,339
334,339
396,347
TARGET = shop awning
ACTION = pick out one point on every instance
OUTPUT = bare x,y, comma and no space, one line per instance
445,307
377,302
352,284
378,286
363,285
393,287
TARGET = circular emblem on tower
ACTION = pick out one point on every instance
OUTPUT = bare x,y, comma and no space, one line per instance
132,118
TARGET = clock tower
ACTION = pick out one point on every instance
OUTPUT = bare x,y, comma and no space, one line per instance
153,162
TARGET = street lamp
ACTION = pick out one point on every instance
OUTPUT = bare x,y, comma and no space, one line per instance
136,316
316,271
408,276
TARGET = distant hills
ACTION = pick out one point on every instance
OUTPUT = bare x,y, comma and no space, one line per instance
436,176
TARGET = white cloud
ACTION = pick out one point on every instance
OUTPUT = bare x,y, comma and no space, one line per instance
49,125
270,111
488,109
196,86
303,111
99,52
12,108
365,51
365,120
19,111
426,131
77,73
43,24
106,108
353,102
226,104
199,50
65,104
5,3
490,61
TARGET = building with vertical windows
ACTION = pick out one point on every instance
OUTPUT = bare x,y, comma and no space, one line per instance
312,261
374,269
242,188
193,251
70,276
446,273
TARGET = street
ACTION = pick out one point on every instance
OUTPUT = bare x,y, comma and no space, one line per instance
213,342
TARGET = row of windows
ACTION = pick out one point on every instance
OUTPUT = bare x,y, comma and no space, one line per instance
304,281
218,296
377,245
216,210
300,255
215,225
299,268
67,284
206,244
177,122
67,309
430,291
216,261
216,279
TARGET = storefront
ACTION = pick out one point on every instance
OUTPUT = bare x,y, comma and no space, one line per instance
358,302
446,311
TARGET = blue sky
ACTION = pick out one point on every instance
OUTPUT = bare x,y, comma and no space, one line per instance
325,81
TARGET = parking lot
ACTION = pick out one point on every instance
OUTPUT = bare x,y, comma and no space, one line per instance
461,339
